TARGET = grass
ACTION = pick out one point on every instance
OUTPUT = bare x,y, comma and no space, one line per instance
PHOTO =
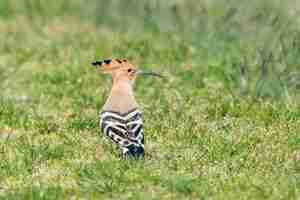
224,126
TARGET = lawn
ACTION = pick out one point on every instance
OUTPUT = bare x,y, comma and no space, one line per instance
224,125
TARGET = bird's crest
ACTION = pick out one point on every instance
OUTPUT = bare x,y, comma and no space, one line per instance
112,63
122,65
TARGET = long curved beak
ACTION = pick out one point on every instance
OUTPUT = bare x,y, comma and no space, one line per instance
150,73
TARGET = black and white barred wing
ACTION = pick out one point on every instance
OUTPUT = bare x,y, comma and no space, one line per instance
123,129
135,128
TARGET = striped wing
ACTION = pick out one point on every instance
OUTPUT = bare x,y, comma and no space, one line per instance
123,129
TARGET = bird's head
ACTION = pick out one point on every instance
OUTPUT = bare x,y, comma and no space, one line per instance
122,69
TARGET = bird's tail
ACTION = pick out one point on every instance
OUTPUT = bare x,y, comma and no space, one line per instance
134,151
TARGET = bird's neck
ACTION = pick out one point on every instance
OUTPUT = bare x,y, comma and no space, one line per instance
121,98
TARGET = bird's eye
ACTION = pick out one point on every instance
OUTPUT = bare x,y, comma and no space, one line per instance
129,70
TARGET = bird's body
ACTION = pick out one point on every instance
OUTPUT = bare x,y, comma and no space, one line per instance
120,119
125,129
121,97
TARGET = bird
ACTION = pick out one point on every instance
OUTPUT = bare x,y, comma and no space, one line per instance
121,119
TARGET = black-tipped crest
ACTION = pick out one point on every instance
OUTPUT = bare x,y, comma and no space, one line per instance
97,63
107,61
116,64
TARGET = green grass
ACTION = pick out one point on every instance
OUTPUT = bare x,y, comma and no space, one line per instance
225,125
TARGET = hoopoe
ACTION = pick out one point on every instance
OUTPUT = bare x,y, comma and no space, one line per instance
120,119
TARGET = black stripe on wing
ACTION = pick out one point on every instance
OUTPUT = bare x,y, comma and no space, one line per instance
120,114
113,119
116,132
135,117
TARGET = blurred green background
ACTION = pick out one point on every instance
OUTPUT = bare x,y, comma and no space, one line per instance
251,47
